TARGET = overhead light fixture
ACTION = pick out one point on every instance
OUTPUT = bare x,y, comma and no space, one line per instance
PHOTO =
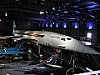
92,6
65,12
0,19
75,24
53,22
51,25
67,4
41,12
64,24
57,14
46,24
91,16
6,14
75,6
53,8
90,25
77,12
57,25
72,18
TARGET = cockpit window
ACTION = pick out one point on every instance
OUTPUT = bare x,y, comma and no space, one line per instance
63,39
68,38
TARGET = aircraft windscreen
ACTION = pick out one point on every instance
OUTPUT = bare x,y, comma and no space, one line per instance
68,38
63,39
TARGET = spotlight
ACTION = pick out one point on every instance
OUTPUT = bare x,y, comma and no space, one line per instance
41,12
6,14
89,35
57,25
46,24
53,8
75,24
51,25
90,25
64,24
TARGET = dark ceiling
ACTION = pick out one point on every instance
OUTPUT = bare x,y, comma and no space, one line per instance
52,9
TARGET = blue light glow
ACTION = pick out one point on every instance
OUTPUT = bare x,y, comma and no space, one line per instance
46,24
64,24
67,4
92,6
75,6
65,12
90,25
76,25
77,12
53,22
57,25
51,25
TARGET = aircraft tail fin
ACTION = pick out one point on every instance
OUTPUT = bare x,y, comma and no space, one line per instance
14,27
52,59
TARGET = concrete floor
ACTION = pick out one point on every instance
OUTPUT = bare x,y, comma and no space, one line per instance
18,66
11,71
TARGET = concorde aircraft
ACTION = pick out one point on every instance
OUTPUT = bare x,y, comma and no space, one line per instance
53,39
56,40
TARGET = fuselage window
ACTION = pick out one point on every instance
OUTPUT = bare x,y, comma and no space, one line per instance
63,39
68,38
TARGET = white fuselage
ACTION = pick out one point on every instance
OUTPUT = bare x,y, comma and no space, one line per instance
59,41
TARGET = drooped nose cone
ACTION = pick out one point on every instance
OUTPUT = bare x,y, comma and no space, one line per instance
89,50
75,45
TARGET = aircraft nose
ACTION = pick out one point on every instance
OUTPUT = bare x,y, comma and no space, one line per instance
77,46
90,50
86,49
